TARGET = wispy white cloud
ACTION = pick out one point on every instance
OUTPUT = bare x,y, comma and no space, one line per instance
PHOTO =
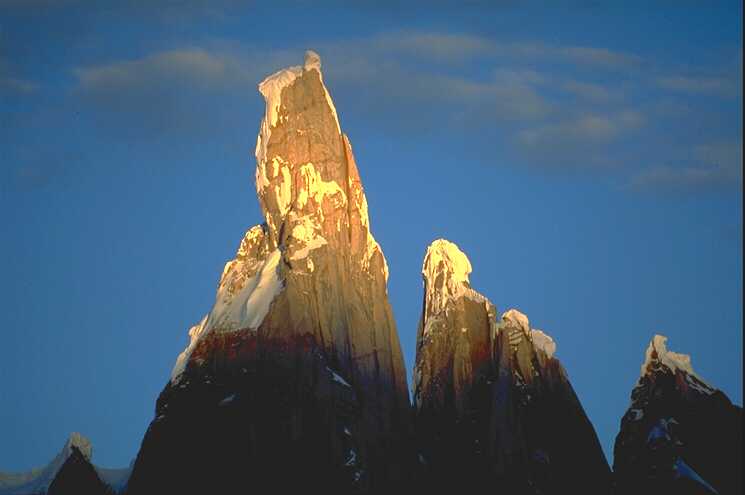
564,118
588,128
193,66
447,47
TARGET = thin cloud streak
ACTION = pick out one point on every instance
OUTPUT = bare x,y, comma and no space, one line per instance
444,47
718,167
722,86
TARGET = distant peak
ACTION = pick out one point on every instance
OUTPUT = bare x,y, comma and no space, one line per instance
657,353
81,443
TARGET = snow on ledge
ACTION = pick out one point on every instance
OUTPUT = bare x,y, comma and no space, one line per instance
543,342
246,309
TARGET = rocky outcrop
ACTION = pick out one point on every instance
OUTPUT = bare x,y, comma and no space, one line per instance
680,434
493,406
295,378
70,472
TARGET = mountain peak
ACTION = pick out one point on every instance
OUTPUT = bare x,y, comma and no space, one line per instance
657,355
314,208
312,61
445,270
81,443
272,88
455,263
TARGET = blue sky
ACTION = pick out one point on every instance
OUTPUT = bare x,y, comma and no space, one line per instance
587,157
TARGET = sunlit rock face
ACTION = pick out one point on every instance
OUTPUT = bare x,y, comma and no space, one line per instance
295,378
493,406
679,435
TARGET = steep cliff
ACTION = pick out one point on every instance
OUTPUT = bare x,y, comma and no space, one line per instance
295,378
493,406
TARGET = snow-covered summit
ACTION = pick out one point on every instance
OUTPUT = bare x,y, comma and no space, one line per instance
312,61
445,257
271,88
657,354
445,270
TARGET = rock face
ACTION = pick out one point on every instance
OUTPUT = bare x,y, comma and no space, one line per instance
70,472
295,378
680,434
493,406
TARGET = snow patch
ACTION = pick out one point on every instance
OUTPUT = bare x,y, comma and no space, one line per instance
352,459
271,88
543,342
519,319
244,309
315,243
337,378
195,334
636,414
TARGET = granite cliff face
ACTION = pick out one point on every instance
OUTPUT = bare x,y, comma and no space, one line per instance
493,406
680,434
295,378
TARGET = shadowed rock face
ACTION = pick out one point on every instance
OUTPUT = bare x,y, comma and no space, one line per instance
680,434
493,407
295,379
